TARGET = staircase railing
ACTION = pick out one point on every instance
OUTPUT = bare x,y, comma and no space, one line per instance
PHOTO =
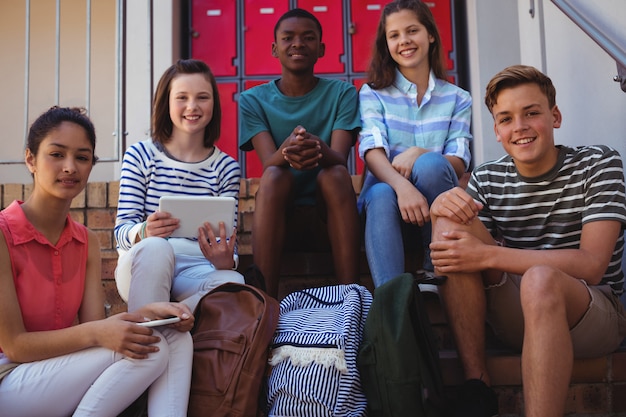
597,20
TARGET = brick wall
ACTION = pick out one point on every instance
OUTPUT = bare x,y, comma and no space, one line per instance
96,207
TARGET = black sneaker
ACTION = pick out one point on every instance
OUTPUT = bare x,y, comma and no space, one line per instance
476,399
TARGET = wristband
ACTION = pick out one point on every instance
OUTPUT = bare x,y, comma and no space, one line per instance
142,231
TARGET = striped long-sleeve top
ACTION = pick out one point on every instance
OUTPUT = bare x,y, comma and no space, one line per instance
149,173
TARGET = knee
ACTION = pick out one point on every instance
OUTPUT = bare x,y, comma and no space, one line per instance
232,276
335,180
153,249
433,170
222,276
156,252
432,161
539,290
440,225
380,196
274,181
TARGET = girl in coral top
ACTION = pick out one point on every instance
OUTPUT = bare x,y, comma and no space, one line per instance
59,355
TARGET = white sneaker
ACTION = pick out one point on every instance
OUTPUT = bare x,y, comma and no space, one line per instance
429,288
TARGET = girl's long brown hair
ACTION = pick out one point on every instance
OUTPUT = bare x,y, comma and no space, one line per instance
382,69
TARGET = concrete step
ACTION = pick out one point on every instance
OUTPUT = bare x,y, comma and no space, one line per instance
598,386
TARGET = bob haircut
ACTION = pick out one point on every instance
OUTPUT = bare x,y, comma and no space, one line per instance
52,119
517,75
162,123
382,70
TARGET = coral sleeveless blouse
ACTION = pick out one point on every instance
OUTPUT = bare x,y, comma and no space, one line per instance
49,279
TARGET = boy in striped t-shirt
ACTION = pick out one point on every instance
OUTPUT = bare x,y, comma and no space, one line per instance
534,247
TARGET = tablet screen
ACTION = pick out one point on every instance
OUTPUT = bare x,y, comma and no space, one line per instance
193,211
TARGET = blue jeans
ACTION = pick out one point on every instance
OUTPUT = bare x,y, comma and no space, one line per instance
432,174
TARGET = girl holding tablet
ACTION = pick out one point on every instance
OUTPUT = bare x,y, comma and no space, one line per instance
180,159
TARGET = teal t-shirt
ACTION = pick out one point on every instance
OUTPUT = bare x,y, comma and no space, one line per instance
331,105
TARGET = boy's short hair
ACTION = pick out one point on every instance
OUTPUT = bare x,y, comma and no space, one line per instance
516,75
298,13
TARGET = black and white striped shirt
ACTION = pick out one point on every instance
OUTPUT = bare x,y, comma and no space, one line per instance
548,212
149,173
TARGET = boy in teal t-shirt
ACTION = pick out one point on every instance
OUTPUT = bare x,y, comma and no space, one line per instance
302,128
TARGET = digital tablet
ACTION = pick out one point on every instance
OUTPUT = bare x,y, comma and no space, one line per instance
193,211
159,322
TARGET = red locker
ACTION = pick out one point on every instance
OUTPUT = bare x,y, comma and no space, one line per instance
330,15
214,35
443,17
364,15
228,137
235,38
254,167
364,22
260,17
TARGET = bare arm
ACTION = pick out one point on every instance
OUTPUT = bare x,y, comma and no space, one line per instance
117,333
265,148
341,142
466,246
303,150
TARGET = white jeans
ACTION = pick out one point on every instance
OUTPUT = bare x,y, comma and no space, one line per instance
99,382
150,271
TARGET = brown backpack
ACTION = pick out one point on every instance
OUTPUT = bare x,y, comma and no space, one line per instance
234,327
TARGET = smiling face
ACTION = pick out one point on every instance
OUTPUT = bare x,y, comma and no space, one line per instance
298,45
190,104
63,161
408,41
524,123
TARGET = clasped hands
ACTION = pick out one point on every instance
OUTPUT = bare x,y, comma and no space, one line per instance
302,150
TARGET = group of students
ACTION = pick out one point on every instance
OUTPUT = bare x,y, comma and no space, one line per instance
533,245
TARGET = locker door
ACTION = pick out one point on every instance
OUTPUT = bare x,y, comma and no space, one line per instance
254,167
364,15
330,15
442,13
228,132
260,17
214,36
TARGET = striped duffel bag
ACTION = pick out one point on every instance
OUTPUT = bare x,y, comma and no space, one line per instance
314,352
